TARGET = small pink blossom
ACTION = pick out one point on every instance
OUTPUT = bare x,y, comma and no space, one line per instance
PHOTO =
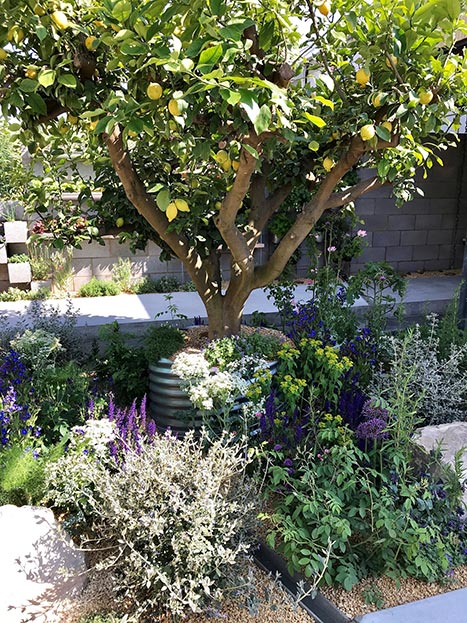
331,249
361,233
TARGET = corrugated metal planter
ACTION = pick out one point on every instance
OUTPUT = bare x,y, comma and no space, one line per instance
169,405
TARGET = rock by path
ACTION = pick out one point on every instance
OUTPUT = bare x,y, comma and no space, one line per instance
41,571
452,437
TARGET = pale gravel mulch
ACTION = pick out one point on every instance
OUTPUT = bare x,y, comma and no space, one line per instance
274,605
391,593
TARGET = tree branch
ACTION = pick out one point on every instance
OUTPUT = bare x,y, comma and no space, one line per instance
201,273
337,200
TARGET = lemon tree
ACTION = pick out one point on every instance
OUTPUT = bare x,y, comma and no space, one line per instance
200,118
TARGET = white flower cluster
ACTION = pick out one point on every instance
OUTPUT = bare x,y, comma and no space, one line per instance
190,366
216,390
95,435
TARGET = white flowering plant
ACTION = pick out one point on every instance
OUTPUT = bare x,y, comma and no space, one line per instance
224,395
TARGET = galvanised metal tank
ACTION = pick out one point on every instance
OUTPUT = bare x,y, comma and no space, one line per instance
169,404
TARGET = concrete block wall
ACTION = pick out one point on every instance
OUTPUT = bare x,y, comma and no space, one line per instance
98,261
426,233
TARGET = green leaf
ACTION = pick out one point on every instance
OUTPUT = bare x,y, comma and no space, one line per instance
208,58
122,10
46,77
133,48
68,80
37,103
383,133
216,7
163,199
325,102
28,86
41,32
251,150
263,120
266,34
317,121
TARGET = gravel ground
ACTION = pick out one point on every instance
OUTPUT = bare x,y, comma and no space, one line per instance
272,604
386,593
269,604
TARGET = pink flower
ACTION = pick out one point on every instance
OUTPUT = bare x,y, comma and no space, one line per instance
331,249
361,233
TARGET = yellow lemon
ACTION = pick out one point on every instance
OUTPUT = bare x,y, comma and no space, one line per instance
377,99
222,156
30,73
425,97
173,108
93,125
120,222
154,91
393,59
38,10
171,211
387,125
89,41
362,77
60,20
325,8
227,165
235,165
15,34
72,119
328,163
218,205
182,205
63,129
3,54
367,132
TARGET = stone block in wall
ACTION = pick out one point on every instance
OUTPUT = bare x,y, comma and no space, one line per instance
116,249
398,254
440,236
445,251
417,206
93,250
428,221
77,282
372,254
376,222
436,265
82,268
102,269
409,267
19,272
448,221
15,231
401,221
413,238
386,207
428,252
365,207
4,273
386,238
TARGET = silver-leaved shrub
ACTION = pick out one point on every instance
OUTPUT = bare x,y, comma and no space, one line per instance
173,520
437,384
